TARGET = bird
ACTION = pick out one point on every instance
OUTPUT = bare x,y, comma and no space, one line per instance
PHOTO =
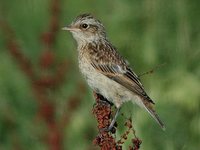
105,70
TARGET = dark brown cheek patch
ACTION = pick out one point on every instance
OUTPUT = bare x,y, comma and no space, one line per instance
93,28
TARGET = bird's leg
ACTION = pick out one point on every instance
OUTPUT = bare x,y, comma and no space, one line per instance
113,121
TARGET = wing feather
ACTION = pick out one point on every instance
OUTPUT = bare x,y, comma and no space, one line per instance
111,64
125,78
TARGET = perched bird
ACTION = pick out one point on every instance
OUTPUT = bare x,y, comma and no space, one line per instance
105,70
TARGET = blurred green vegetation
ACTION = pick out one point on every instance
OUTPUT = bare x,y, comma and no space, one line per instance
147,33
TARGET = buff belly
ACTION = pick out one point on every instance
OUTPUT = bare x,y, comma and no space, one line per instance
101,84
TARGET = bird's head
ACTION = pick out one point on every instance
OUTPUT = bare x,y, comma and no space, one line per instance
85,28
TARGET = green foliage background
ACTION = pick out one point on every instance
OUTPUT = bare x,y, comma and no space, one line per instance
146,32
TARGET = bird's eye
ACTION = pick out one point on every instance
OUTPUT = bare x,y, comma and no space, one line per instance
84,25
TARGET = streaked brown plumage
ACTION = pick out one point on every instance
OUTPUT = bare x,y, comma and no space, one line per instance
106,72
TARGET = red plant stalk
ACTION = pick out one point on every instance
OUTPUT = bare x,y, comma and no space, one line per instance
102,112
43,84
105,140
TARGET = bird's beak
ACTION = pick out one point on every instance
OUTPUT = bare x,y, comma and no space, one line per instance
69,28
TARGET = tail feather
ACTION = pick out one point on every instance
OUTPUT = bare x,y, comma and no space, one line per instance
148,106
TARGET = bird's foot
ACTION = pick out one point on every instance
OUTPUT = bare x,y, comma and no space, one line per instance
108,129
